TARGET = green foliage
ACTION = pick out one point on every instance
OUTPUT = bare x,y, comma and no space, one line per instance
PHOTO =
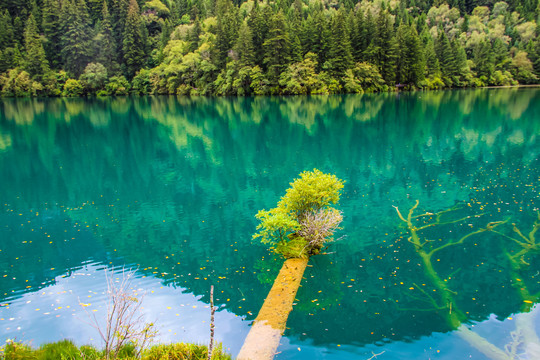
52,29
35,61
94,77
54,83
10,58
340,50
277,47
261,48
104,41
276,224
76,36
18,83
301,78
73,88
6,30
141,84
182,351
117,85
133,42
157,6
364,77
64,349
67,350
288,226
90,353
313,191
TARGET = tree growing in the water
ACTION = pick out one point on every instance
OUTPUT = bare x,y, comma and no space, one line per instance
304,218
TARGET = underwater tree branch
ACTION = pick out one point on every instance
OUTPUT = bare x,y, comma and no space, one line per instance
488,227
432,300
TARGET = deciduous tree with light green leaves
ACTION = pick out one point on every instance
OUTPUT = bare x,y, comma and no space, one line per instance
304,219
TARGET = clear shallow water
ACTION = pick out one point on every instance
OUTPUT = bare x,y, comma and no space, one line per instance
170,186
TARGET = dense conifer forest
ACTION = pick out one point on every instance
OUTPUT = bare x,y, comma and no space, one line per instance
268,47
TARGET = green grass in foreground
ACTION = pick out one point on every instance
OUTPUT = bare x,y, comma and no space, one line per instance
67,350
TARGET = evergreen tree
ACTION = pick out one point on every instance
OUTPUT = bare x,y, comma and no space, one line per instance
410,60
18,30
133,44
432,62
194,35
227,28
341,50
385,47
446,56
119,11
10,58
105,45
258,25
35,10
501,57
35,63
95,10
52,29
76,50
359,39
244,46
297,51
484,61
277,47
6,30
321,38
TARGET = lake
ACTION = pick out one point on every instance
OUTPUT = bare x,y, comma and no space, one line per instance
168,187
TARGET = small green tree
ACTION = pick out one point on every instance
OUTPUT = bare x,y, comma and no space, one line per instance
94,77
303,219
73,88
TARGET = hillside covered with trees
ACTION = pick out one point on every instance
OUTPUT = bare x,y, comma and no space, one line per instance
226,47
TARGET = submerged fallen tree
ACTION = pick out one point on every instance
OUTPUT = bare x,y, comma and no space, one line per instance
525,343
297,228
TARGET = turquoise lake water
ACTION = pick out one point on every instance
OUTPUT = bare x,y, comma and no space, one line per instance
169,187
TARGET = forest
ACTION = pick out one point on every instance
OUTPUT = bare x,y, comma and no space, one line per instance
268,47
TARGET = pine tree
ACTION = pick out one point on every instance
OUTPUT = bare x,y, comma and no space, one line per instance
194,35
321,40
6,30
432,62
35,63
484,61
95,10
52,29
446,56
358,37
133,43
227,28
277,47
18,30
410,61
341,50
501,57
10,58
385,47
76,50
105,45
119,11
258,25
244,46
35,10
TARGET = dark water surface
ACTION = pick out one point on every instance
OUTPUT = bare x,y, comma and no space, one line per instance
169,186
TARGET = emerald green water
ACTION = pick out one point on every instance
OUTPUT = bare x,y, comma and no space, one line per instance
169,187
